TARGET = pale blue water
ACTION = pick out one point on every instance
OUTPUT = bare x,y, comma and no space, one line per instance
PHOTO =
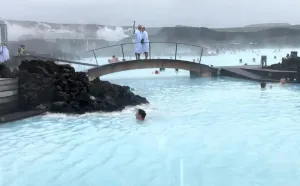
208,131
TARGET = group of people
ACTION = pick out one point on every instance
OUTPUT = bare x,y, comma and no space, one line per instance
263,84
141,45
141,42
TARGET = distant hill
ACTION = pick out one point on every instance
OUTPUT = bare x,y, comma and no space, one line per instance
202,35
268,25
250,28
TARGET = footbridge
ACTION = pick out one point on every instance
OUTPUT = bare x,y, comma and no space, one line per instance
165,56
166,49
196,69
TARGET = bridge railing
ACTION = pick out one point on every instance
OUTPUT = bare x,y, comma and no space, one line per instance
162,50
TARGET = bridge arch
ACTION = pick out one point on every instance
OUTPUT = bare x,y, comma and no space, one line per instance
196,69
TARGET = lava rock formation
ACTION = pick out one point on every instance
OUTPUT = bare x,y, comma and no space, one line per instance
58,88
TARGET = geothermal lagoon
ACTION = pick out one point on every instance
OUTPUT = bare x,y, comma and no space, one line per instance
206,131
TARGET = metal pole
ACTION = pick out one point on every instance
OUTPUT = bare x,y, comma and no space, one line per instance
149,50
122,52
201,55
176,51
95,57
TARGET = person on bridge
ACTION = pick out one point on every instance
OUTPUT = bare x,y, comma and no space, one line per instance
138,42
146,42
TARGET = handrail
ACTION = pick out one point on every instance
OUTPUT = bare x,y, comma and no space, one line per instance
145,42
131,43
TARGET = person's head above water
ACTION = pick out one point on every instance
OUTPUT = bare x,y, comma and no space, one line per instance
282,81
140,114
263,84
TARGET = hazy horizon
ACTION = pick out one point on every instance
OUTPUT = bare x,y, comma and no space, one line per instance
52,22
212,14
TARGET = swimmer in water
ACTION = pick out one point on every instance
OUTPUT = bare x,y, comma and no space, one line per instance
263,85
114,59
140,114
282,81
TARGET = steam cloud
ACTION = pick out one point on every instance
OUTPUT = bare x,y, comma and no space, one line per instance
45,31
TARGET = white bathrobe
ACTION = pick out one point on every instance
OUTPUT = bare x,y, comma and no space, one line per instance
138,47
4,53
146,40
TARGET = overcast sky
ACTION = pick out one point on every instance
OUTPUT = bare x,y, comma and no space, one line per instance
206,13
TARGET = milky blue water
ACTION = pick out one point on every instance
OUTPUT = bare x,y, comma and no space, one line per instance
207,131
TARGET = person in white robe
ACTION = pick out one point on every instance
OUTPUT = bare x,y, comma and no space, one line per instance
146,42
4,53
138,42
1,54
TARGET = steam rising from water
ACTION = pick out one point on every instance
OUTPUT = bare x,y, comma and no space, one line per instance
112,35
46,31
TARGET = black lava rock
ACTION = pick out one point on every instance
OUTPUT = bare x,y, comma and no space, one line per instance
60,89
5,72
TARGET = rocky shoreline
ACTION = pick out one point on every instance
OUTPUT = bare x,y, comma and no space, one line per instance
58,88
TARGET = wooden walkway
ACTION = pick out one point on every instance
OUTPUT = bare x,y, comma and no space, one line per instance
20,115
241,72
